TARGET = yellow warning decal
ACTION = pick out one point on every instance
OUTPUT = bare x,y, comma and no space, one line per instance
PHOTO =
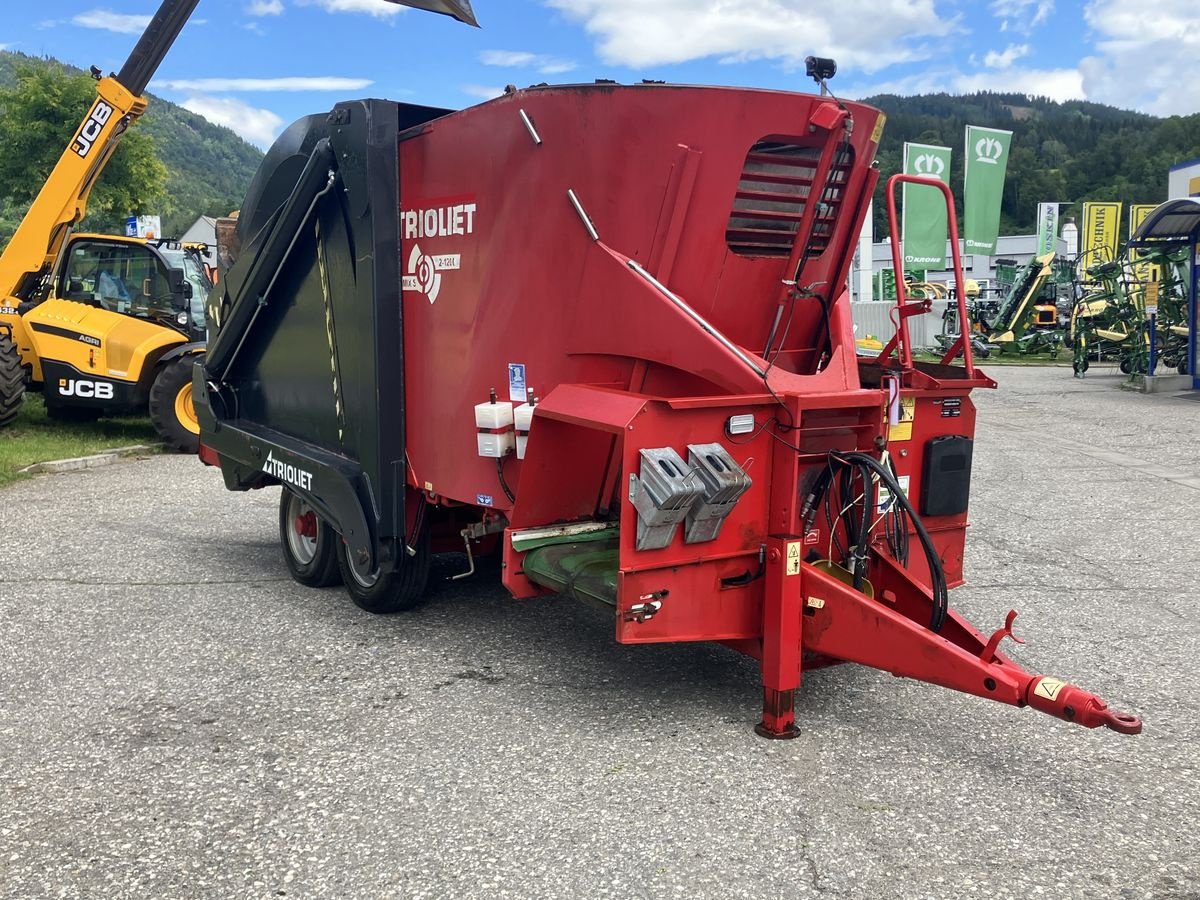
1049,688
793,557
902,430
877,131
816,603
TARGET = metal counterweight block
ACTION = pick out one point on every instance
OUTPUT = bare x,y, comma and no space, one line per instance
663,494
724,483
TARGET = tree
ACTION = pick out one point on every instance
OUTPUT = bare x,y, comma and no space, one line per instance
38,118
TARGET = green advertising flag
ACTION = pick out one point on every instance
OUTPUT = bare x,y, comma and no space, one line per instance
924,216
983,185
1047,234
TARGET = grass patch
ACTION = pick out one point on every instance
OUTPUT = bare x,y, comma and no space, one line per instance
34,438
1004,359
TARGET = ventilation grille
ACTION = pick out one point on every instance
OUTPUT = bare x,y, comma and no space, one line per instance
776,183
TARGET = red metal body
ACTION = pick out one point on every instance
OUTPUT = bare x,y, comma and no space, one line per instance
656,259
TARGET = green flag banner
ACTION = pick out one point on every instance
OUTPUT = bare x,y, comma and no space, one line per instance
924,216
983,186
1047,234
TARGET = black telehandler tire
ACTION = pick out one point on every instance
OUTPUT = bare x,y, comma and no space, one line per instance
171,408
12,380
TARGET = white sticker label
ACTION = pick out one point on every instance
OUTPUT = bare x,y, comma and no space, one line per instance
516,383
885,496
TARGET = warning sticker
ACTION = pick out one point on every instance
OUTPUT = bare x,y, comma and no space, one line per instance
813,537
877,131
901,430
793,557
1049,688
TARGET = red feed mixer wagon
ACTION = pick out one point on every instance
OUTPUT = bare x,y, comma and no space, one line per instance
602,332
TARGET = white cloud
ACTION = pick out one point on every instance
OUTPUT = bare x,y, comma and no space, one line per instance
258,126
380,9
1024,15
1057,84
291,83
482,91
264,8
868,35
1148,56
107,20
522,59
1011,54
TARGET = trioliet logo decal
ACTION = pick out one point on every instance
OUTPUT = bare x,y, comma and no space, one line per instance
433,220
293,475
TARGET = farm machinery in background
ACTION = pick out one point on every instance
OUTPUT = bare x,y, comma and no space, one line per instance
1095,311
487,329
1111,316
1027,319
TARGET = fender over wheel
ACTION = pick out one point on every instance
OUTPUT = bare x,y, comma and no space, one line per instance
309,545
171,408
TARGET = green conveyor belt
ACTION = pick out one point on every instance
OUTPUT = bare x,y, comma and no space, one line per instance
583,569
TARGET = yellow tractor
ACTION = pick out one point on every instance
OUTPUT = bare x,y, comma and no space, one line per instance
101,324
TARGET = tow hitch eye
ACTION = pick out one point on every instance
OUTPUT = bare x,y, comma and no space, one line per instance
1073,704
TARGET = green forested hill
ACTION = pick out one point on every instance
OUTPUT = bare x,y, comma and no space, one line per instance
1061,152
208,166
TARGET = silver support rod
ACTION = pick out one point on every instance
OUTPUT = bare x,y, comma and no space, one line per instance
533,132
583,216
700,320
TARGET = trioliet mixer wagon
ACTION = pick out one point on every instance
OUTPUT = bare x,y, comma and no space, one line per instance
602,331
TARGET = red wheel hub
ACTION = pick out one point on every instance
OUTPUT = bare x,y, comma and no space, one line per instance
306,525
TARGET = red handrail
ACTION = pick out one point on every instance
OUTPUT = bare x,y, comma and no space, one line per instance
902,311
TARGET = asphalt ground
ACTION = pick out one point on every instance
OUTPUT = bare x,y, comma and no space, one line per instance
179,719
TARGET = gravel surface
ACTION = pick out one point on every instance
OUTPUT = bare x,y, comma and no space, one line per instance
179,719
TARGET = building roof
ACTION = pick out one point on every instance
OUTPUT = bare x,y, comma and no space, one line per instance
1176,221
1186,164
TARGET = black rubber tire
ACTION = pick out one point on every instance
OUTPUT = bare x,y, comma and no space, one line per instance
321,568
12,380
172,379
1081,367
76,414
401,589
1182,368
1126,366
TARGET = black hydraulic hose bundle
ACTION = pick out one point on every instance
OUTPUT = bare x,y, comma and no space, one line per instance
854,471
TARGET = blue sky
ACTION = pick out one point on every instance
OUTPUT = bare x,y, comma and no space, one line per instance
256,65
